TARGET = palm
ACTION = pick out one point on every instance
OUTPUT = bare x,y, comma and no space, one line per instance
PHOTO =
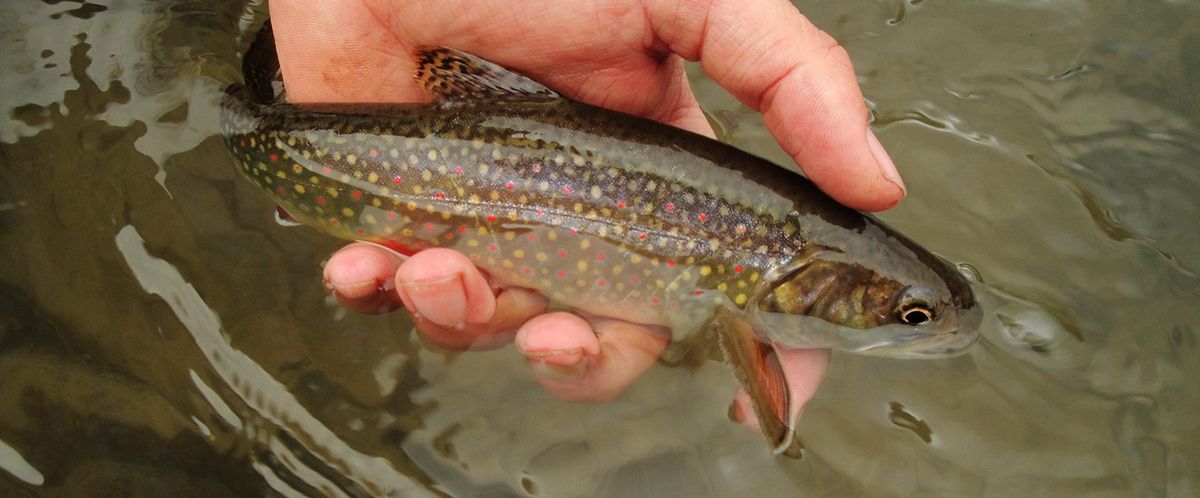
620,54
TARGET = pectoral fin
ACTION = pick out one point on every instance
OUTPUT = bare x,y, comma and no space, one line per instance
455,75
756,365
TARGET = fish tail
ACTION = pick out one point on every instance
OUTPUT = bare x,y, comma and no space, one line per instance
261,84
260,67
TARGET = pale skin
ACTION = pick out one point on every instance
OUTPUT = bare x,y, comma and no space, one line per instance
625,55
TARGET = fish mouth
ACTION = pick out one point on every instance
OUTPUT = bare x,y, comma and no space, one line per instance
953,339
920,346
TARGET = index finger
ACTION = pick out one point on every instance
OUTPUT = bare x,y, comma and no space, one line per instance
774,60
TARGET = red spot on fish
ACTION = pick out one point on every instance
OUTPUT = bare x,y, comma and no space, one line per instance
600,257
429,226
373,153
326,170
334,222
274,157
536,166
533,236
282,191
526,270
391,215
702,217
320,200
360,231
357,194
698,292
670,207
561,274
654,300
493,248
620,204
642,236
566,189
671,263
601,283
539,211
458,170
449,235
462,229
242,143
396,180
562,253
510,185
634,279
439,196
572,231
739,269
491,217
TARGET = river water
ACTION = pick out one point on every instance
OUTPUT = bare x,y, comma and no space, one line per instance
161,334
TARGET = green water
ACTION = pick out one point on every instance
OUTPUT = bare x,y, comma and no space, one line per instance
161,334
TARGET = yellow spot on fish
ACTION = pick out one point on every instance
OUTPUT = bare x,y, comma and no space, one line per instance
722,287
472,243
281,174
351,158
585,243
426,175
544,185
705,271
541,256
432,155
371,220
635,259
299,188
509,235
740,299
373,177
518,254
581,265
313,179
347,212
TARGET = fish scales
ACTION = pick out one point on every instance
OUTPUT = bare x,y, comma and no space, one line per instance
584,209
609,213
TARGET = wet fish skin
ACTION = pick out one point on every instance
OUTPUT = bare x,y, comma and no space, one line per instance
605,212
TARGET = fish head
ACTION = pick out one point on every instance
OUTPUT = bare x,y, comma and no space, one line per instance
869,290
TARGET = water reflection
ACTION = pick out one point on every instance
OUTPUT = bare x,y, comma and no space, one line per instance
158,331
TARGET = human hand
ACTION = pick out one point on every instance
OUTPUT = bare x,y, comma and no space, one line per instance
625,55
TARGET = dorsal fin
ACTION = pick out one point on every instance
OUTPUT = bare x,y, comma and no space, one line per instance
451,75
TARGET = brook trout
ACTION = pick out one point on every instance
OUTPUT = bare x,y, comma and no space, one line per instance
605,212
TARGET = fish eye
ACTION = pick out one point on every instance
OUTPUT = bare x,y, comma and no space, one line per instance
914,306
915,314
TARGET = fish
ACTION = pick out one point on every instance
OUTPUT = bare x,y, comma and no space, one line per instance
604,212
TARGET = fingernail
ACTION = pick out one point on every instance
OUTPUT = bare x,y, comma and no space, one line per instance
440,301
884,161
563,366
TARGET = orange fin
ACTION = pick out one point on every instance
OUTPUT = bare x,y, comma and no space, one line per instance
453,75
757,368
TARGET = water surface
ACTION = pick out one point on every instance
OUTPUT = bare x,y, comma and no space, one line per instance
160,333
